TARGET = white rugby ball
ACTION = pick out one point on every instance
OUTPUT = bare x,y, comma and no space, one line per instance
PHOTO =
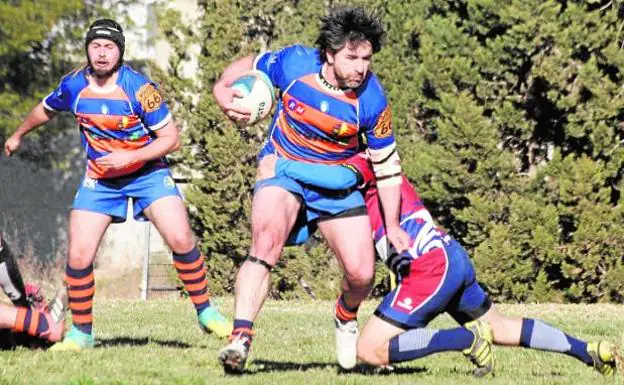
258,94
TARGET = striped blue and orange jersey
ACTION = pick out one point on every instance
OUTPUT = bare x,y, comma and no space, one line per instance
315,122
120,117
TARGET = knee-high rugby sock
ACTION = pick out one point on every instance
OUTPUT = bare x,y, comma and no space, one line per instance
344,313
30,321
80,290
539,335
418,343
192,271
243,329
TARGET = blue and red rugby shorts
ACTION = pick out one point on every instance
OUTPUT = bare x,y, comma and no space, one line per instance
441,280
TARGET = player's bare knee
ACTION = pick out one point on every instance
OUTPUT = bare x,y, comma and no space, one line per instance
361,278
80,257
81,252
181,243
266,242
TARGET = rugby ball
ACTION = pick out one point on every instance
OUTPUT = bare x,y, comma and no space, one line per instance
258,94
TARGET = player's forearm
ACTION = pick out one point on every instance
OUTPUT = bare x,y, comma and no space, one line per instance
390,197
157,149
232,71
320,175
387,168
163,144
38,116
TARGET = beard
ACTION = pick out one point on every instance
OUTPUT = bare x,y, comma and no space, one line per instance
105,74
348,83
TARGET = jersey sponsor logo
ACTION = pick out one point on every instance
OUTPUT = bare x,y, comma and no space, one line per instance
149,97
104,109
297,107
123,123
168,182
340,129
383,128
324,106
88,183
273,56
405,304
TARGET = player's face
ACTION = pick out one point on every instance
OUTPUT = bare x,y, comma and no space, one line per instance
103,56
350,63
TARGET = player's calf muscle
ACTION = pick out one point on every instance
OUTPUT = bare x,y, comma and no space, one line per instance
372,352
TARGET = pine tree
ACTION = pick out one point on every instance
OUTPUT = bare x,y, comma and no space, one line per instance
509,122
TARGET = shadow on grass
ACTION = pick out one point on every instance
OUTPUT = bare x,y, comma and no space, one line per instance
262,366
127,341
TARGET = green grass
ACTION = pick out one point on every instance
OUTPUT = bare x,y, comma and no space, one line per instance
158,342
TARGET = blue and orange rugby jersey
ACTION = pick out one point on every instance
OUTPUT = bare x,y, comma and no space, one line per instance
315,122
123,116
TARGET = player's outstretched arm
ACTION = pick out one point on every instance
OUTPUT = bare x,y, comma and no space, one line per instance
331,177
38,116
387,168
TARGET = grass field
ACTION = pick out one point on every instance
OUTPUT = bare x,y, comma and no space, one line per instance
158,342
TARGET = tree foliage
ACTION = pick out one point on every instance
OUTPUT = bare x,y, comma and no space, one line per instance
40,41
509,121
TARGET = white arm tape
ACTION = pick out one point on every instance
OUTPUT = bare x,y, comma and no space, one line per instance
387,166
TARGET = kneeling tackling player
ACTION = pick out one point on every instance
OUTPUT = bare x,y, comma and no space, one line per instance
435,275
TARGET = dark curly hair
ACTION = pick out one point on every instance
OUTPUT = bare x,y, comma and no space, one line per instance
349,23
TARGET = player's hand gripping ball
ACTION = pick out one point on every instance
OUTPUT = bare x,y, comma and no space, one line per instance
258,94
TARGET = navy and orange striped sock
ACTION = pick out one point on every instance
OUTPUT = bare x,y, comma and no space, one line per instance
344,313
243,329
80,290
192,271
30,321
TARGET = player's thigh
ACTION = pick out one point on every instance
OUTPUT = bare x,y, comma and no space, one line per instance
373,342
169,216
425,290
274,211
350,239
86,229
274,207
471,302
